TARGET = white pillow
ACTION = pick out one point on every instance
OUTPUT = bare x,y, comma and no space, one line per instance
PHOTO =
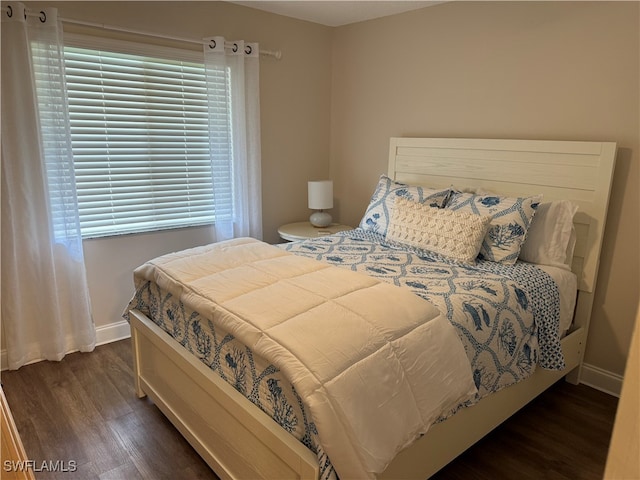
457,235
551,237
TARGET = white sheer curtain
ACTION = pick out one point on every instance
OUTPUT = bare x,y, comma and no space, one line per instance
45,303
238,209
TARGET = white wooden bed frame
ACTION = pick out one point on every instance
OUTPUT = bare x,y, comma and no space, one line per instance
240,441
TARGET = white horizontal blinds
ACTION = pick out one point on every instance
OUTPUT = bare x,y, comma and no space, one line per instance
140,139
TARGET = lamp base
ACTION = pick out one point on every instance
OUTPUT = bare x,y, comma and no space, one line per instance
320,219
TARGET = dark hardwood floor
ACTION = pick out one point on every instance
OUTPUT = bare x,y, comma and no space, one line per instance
83,412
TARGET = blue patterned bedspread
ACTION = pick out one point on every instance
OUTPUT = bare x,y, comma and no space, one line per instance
506,316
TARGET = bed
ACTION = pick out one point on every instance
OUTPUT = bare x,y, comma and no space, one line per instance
238,440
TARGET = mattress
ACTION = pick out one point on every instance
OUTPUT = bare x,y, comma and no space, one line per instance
508,319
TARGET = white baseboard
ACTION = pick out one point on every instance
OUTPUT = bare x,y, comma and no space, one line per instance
104,334
602,380
112,332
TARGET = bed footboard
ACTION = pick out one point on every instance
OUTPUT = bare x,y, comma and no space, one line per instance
235,438
239,441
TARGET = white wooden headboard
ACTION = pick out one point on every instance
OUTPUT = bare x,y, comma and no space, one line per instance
581,172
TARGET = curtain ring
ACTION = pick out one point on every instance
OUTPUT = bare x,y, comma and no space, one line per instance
248,49
43,16
9,11
212,44
235,48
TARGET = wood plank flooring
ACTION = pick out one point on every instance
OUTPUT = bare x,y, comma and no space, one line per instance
83,410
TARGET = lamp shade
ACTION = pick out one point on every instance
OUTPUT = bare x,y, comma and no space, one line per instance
320,194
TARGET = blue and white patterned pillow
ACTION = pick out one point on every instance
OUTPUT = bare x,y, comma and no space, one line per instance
508,228
376,218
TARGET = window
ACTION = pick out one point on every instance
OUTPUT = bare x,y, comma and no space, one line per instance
140,136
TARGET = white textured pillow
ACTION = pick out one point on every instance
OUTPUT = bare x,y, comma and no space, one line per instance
376,218
457,235
549,239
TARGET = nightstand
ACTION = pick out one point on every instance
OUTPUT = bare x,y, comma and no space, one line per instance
304,230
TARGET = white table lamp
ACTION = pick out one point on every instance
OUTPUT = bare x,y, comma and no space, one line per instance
320,199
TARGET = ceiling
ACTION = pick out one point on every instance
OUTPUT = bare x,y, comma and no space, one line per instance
335,13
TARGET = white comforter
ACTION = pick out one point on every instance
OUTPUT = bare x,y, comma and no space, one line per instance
374,363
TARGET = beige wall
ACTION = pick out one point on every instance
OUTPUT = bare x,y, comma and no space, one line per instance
548,70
